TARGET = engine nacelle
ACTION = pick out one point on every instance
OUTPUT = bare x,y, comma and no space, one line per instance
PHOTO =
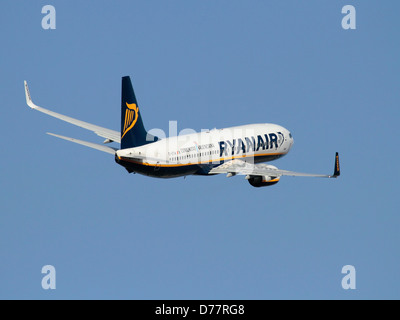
263,181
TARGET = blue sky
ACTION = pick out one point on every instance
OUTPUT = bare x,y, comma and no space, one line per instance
205,64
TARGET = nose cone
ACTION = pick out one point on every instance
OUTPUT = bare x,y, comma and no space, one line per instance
288,139
291,140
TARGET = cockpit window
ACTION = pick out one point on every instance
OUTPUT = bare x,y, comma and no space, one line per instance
290,135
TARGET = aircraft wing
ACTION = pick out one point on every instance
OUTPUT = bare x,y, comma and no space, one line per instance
244,168
109,135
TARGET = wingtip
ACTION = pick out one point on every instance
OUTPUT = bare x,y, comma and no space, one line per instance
28,96
336,172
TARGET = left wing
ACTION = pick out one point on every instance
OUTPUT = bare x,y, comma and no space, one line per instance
244,168
110,135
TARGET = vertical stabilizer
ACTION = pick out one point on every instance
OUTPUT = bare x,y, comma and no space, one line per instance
133,133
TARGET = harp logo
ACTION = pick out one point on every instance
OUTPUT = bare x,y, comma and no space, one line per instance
131,116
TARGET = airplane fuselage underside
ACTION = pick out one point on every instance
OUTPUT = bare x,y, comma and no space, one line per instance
179,170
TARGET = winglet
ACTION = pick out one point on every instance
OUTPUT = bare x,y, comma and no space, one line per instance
28,96
336,172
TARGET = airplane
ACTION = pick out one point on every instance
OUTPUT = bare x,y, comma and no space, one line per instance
232,151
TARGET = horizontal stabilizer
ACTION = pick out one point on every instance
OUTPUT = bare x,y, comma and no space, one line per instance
87,144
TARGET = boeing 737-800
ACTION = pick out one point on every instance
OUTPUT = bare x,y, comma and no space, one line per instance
233,151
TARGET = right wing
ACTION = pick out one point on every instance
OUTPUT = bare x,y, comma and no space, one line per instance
109,135
241,167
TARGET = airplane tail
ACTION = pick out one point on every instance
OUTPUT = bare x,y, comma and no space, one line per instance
133,133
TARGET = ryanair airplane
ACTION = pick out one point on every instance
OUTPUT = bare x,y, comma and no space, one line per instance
232,151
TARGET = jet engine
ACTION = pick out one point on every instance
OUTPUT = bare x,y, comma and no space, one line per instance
263,181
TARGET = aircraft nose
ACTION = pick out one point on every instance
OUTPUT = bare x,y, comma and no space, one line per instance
291,140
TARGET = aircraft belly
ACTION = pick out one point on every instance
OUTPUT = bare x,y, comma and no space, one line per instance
173,171
159,171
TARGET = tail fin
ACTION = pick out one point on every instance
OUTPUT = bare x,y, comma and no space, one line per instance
133,133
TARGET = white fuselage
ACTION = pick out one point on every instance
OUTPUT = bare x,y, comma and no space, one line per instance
254,143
